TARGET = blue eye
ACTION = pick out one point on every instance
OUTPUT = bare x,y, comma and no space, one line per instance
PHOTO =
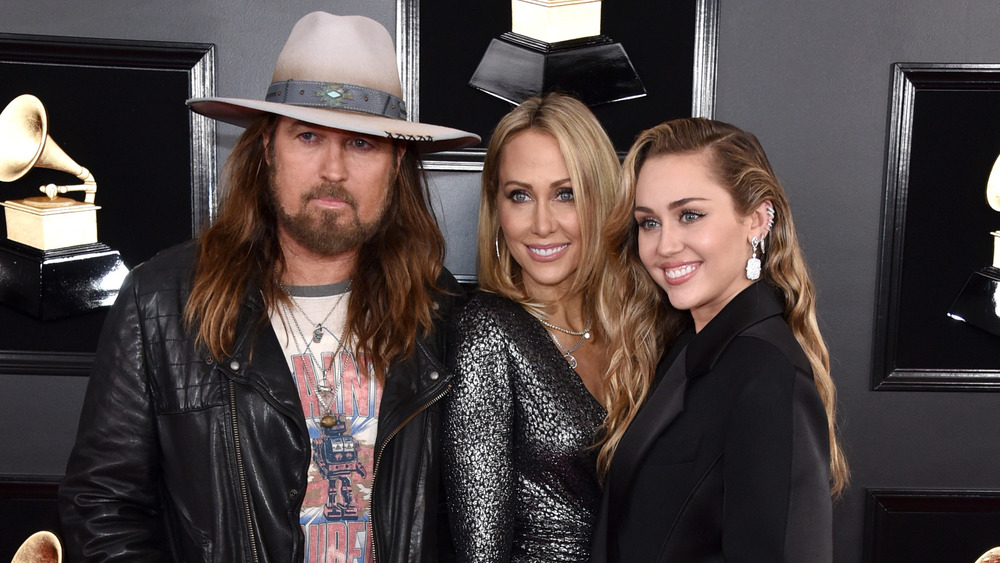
518,196
565,194
647,223
690,216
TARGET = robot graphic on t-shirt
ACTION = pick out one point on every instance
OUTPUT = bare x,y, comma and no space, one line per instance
336,455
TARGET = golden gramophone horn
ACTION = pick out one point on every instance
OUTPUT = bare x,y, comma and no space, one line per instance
993,186
25,144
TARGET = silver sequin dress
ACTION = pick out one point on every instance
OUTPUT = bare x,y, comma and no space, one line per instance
520,473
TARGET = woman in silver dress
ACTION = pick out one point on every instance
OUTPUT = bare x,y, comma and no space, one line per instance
530,348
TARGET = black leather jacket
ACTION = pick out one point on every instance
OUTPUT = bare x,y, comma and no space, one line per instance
182,458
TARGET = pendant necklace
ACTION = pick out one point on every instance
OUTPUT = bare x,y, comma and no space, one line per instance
328,420
318,327
568,354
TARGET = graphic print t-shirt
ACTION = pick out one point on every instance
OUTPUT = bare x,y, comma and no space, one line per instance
334,382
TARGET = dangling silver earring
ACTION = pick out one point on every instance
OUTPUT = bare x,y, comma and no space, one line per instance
753,264
496,244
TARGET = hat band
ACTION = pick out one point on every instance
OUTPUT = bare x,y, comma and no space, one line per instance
336,95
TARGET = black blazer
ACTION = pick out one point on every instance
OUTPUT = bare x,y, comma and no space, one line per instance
729,459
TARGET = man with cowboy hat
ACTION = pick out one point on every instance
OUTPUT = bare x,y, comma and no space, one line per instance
271,391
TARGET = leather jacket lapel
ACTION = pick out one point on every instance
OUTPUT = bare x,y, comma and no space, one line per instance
259,361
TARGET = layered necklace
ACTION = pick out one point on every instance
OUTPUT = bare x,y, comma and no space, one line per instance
323,386
568,354
318,328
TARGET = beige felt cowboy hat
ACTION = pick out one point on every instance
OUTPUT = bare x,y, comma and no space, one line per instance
338,71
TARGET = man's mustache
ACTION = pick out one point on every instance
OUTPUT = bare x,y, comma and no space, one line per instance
330,190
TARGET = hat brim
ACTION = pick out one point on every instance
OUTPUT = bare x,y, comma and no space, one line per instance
425,137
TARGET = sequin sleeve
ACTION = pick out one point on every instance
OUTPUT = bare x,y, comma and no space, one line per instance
478,438
519,427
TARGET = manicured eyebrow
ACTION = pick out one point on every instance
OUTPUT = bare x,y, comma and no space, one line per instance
673,205
556,184
682,202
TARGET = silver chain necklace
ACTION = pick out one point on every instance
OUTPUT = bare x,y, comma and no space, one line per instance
328,420
318,327
584,333
568,354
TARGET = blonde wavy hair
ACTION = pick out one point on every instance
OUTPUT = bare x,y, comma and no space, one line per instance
740,164
593,170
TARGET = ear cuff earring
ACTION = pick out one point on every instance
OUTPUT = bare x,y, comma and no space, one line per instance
753,264
770,224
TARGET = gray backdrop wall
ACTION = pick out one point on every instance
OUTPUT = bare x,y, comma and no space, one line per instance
811,78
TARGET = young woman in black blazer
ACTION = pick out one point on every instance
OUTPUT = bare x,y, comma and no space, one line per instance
728,450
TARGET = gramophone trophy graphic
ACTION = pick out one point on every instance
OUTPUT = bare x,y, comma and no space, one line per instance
51,264
979,302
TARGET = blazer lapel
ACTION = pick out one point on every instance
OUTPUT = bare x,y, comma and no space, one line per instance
696,357
644,430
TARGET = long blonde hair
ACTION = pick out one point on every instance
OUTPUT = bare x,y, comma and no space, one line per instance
740,164
593,171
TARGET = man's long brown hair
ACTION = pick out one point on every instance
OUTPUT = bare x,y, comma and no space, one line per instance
393,285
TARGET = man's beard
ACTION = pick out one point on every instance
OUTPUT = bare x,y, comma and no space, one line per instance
321,231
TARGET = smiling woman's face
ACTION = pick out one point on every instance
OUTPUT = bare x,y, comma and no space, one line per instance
538,215
691,240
